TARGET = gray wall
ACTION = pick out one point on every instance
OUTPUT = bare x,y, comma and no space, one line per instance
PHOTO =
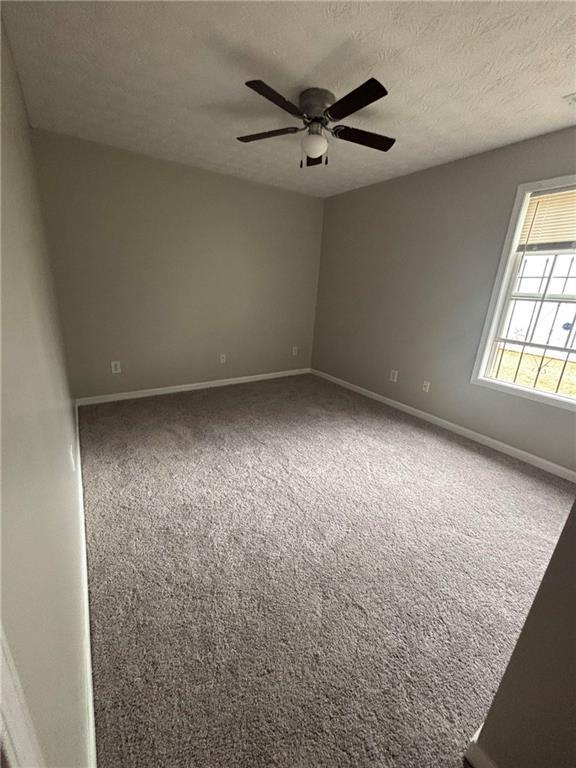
531,721
44,591
406,275
163,266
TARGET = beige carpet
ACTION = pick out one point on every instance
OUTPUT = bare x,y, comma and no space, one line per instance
287,574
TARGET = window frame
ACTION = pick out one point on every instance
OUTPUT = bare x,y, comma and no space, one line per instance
501,292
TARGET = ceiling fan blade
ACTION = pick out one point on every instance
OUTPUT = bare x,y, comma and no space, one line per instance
366,138
268,134
269,93
357,99
314,160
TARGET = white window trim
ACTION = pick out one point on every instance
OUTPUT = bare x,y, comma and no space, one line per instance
500,294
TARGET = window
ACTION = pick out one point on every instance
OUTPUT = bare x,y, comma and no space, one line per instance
529,342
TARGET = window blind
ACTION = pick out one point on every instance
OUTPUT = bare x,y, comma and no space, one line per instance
550,218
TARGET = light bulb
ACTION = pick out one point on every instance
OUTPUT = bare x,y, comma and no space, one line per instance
314,145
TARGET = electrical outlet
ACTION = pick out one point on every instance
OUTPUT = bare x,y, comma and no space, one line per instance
294,351
222,358
426,386
115,366
393,375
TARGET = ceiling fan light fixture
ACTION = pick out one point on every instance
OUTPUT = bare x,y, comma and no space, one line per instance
318,108
314,145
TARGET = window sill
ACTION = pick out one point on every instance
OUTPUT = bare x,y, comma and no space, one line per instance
557,401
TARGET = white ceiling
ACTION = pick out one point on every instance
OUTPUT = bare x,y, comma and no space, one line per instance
167,78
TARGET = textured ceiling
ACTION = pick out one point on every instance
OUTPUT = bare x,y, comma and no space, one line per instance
167,78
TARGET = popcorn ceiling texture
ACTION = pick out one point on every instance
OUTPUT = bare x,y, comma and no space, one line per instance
167,78
288,574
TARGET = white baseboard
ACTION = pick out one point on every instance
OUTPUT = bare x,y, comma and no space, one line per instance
19,739
137,393
475,755
86,649
529,458
477,758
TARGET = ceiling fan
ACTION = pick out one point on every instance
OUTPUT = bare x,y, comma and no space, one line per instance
317,108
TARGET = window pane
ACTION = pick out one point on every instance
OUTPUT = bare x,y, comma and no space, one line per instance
536,368
518,320
551,371
561,285
563,324
545,316
568,382
505,362
528,365
565,265
533,273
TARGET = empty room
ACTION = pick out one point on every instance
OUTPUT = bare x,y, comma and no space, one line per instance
288,384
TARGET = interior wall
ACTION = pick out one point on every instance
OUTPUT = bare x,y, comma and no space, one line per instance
531,720
44,589
406,275
163,267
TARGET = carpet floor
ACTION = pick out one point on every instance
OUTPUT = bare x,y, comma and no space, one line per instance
287,574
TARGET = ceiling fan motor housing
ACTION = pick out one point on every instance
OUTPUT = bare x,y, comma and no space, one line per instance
314,101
